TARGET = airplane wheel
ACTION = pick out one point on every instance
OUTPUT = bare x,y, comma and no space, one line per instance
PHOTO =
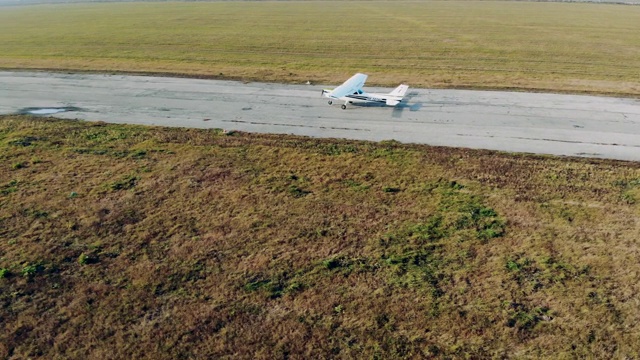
330,102
344,107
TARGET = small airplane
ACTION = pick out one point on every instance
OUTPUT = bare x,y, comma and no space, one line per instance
351,92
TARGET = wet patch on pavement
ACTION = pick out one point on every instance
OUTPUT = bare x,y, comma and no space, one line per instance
47,110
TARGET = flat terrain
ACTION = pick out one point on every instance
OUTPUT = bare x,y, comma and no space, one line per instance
536,123
127,241
120,241
432,44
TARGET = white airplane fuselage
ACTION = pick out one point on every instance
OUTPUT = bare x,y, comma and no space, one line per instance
363,97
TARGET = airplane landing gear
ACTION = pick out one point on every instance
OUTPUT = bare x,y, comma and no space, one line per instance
344,107
330,102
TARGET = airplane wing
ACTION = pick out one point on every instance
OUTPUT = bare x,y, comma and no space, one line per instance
355,83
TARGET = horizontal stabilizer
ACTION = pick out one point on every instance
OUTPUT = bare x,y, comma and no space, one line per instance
400,90
391,102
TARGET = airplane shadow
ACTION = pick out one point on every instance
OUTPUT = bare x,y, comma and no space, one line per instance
406,104
398,109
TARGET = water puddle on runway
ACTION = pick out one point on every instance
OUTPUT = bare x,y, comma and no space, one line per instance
47,110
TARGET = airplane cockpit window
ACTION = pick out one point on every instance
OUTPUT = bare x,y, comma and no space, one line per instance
359,91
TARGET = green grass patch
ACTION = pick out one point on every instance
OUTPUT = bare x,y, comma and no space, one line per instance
10,187
126,183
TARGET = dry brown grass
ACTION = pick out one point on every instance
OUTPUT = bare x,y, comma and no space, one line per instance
466,44
130,242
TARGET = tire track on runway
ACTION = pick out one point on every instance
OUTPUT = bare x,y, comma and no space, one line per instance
294,125
551,140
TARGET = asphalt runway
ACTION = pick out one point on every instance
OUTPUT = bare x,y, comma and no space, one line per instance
570,125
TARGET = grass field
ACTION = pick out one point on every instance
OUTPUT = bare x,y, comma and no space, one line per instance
138,242
463,44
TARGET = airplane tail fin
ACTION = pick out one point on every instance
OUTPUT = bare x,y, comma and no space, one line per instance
400,90
326,93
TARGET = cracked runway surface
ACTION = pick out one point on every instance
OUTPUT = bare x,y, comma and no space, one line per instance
555,124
